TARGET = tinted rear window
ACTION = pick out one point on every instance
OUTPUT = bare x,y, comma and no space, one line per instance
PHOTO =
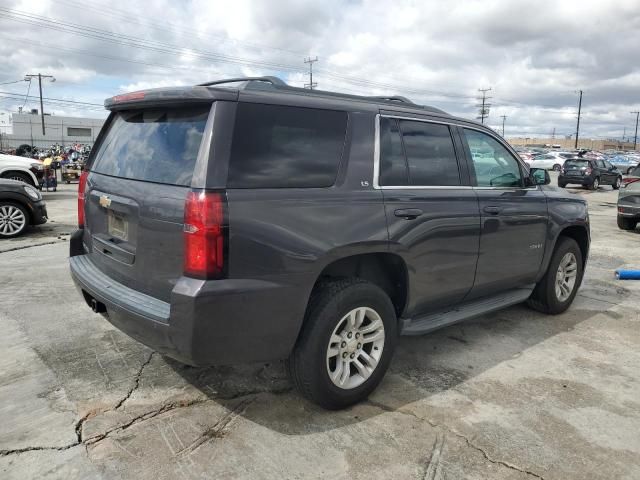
155,145
285,147
576,164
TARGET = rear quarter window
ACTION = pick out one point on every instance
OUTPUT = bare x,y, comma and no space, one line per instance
278,146
154,145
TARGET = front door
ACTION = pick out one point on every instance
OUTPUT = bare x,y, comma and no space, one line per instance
431,210
513,216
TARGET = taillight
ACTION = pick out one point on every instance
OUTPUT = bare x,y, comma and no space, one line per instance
204,234
81,189
629,180
587,171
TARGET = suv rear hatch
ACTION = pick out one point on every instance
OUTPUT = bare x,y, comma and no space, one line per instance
140,175
576,168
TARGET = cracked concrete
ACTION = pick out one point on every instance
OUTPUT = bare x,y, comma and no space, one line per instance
512,395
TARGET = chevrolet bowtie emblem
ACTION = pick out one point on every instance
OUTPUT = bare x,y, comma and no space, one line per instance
105,201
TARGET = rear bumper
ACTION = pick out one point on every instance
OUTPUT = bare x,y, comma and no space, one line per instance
584,180
629,211
207,322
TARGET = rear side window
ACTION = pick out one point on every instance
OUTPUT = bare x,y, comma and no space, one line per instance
154,145
285,147
417,153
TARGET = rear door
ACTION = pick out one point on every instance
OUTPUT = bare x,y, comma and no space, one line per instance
432,211
513,216
134,202
611,172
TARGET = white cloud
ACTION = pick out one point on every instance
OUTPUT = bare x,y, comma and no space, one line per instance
534,53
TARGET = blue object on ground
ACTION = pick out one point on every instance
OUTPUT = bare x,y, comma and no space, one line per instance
628,274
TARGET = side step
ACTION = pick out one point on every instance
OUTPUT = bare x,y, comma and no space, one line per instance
455,314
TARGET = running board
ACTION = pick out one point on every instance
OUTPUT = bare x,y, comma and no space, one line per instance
455,314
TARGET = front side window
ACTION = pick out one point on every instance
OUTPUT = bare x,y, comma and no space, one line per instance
493,164
278,146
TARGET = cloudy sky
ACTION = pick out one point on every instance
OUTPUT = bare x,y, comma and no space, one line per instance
534,55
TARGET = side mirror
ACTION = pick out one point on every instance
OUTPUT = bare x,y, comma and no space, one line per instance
539,176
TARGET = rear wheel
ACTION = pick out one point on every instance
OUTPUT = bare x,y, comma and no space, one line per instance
557,168
13,219
346,344
557,289
629,170
626,223
562,184
596,184
616,184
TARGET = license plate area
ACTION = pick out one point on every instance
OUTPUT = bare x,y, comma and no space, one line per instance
117,225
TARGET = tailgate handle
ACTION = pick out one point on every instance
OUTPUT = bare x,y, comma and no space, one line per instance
408,213
492,209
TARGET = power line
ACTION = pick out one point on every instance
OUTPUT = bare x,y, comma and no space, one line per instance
484,106
15,81
311,83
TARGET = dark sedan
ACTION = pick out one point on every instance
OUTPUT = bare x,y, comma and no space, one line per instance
589,173
629,201
21,205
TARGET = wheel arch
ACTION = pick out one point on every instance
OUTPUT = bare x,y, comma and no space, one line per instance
6,172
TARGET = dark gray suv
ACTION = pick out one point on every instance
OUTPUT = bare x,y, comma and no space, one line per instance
248,221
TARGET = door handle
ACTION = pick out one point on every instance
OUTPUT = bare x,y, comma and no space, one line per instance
408,213
492,209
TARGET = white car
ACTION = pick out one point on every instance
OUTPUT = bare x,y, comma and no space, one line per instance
23,169
551,160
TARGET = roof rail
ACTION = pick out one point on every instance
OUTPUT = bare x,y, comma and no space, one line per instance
393,98
275,81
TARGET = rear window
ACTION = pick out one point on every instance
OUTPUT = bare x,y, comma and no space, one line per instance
576,164
154,145
285,147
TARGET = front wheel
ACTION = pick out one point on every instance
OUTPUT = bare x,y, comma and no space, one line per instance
616,184
557,168
348,338
557,289
13,219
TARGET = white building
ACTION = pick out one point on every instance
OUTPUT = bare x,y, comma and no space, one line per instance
27,128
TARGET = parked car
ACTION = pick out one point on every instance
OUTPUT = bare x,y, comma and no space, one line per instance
551,160
264,222
629,201
21,205
624,163
589,173
22,169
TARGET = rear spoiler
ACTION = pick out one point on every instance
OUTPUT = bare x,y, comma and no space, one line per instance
167,96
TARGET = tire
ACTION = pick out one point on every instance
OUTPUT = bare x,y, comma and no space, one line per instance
562,184
545,298
557,168
14,219
596,184
19,176
626,223
629,170
616,184
311,364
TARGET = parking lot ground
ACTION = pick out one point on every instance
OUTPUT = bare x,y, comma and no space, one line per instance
511,395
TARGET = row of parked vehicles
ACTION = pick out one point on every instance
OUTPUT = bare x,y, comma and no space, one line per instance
555,159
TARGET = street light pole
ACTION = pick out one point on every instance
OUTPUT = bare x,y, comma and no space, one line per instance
40,77
578,126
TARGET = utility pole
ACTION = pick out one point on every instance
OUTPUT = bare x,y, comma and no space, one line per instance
484,106
635,137
553,134
310,61
578,126
504,117
40,77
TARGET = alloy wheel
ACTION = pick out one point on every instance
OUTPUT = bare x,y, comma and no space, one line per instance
355,348
12,220
566,276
